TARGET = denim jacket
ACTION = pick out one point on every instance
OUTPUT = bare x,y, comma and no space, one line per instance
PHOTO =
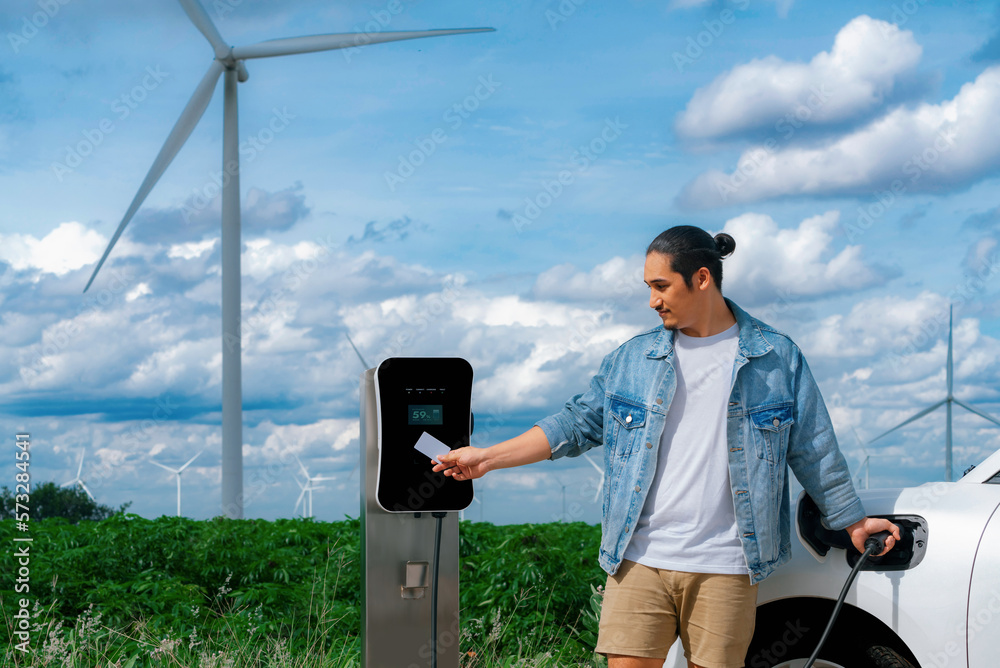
776,416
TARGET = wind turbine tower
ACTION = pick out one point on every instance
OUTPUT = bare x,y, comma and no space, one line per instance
230,60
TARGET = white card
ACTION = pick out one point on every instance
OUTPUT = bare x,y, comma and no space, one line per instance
431,446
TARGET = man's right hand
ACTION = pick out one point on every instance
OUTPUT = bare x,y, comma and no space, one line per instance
470,462
464,463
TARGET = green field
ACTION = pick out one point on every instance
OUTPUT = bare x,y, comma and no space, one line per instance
128,591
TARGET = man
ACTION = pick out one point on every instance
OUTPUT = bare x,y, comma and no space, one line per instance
700,419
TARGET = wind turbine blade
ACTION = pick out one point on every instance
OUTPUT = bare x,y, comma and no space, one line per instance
189,462
204,24
301,466
594,464
357,352
600,488
356,467
311,43
79,470
907,421
185,125
71,482
87,491
165,468
985,416
299,500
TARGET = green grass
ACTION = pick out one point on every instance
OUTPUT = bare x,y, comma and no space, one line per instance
131,592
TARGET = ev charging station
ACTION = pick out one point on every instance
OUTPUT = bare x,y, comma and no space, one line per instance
411,408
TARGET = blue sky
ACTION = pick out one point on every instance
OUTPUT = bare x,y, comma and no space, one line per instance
487,196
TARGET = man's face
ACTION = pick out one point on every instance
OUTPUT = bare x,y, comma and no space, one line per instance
676,303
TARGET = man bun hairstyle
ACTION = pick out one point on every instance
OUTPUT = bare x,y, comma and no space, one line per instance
690,248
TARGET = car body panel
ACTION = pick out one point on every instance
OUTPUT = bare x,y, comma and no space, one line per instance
923,605
983,629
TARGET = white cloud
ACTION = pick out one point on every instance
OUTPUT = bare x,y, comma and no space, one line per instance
68,247
878,326
321,439
928,148
850,80
772,264
191,249
616,278
138,291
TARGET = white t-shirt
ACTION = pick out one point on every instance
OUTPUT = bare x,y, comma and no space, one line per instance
688,522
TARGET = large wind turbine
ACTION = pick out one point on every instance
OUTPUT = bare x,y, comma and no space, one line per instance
946,402
178,472
230,60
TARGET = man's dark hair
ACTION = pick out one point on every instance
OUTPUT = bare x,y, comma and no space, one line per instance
690,248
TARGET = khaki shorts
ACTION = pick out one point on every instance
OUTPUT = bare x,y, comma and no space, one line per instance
645,609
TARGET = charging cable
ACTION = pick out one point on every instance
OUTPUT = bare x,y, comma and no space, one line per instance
874,545
438,517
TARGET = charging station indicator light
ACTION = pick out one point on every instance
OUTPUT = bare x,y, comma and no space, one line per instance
424,414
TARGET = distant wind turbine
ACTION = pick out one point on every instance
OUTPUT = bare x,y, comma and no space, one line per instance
308,487
177,472
946,402
78,480
563,485
230,60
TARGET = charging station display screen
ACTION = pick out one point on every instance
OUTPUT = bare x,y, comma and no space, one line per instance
424,414
418,396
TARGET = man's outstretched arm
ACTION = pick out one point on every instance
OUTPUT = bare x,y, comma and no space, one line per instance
471,462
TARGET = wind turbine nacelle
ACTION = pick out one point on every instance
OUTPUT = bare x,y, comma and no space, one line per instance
423,405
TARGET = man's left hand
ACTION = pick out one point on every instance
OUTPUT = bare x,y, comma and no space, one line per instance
862,529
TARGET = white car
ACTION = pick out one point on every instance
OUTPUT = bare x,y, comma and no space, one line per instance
933,601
